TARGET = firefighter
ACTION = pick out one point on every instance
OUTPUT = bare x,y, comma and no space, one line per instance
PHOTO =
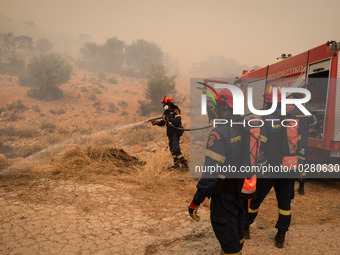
226,210
305,122
172,120
271,153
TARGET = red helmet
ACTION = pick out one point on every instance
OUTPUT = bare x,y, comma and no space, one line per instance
166,100
268,97
226,97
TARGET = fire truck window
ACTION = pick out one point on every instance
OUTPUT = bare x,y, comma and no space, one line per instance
318,86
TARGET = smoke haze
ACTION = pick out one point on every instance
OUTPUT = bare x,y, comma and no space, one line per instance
191,33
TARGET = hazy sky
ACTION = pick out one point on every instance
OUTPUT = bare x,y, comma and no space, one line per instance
251,32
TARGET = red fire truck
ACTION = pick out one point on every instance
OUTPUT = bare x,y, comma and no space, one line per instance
318,70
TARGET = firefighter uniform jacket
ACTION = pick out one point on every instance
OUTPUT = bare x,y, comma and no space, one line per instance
305,121
272,129
224,144
172,119
226,210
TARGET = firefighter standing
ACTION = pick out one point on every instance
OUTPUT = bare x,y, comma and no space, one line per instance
172,120
271,153
226,210
305,122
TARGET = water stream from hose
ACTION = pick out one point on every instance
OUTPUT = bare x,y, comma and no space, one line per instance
54,149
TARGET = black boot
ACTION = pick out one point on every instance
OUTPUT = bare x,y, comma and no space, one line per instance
175,166
246,233
184,163
301,189
280,239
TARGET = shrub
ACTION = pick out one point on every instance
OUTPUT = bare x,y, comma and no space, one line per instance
52,111
84,89
93,80
112,80
44,46
101,76
97,104
61,111
159,84
18,106
44,74
92,97
141,54
21,132
123,104
96,91
111,108
48,126
107,57
36,108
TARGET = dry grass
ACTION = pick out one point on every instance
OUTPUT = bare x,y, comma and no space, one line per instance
55,138
81,162
155,171
21,132
3,162
102,140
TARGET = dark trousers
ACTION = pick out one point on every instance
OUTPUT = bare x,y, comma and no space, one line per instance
175,148
227,220
283,190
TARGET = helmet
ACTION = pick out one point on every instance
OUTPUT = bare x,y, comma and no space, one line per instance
268,97
226,97
166,100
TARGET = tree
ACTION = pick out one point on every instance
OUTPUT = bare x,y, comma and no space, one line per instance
9,43
44,46
10,61
44,74
90,51
142,54
113,54
159,84
107,57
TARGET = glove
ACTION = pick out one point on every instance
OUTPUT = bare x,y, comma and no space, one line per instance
154,122
261,159
193,211
165,118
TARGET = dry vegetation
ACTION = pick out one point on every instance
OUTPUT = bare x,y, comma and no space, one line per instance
155,171
77,162
87,115
97,163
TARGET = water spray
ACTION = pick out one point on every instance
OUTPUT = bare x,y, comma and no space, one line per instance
59,147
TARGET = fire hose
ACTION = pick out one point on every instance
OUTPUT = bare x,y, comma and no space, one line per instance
180,128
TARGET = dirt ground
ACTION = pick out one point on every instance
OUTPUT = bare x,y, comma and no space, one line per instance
109,215
84,204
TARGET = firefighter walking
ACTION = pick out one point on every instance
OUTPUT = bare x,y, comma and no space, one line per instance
226,210
305,122
172,119
271,153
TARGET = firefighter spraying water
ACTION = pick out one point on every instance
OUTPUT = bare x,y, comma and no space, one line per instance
172,120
